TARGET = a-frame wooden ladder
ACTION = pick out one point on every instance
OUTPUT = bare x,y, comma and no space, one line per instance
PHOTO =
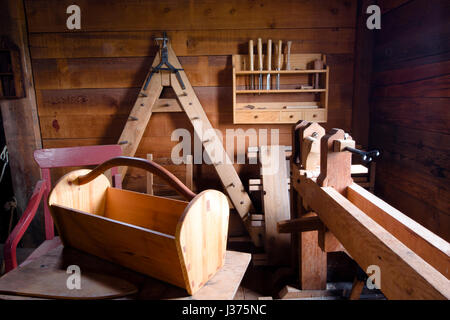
187,99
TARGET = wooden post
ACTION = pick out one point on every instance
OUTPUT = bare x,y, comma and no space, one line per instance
312,260
20,120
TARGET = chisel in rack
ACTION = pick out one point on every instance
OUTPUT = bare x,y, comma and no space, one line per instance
260,63
269,62
278,48
288,55
251,60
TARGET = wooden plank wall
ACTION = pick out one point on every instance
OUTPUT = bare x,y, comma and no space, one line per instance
410,119
87,80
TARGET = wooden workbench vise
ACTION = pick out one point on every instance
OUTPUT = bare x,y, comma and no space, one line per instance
329,212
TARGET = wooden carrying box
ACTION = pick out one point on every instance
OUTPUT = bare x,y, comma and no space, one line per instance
180,242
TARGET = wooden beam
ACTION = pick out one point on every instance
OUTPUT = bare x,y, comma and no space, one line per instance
426,244
140,116
301,224
404,275
20,120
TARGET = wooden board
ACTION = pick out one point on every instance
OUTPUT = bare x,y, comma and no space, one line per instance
138,15
222,286
275,202
43,279
163,218
431,248
184,42
202,238
404,275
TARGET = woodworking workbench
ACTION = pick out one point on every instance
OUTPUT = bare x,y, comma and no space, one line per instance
45,278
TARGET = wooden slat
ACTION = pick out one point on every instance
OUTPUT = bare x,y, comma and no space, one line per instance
85,126
430,190
404,275
423,242
176,15
430,114
414,207
434,87
118,101
185,43
418,69
140,115
163,218
424,151
103,72
275,202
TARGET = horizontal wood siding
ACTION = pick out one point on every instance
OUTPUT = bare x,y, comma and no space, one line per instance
87,80
410,119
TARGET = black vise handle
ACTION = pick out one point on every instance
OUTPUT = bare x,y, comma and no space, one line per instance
367,156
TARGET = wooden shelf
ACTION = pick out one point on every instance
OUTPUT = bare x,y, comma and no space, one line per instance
268,106
280,91
239,73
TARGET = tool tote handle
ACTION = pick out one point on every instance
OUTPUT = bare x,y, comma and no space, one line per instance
142,164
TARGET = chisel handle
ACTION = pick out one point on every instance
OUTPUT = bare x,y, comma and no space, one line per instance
269,54
251,56
288,59
260,58
280,44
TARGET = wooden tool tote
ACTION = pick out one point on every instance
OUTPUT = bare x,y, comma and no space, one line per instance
180,242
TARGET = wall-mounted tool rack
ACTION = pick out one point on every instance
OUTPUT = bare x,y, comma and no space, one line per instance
299,96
